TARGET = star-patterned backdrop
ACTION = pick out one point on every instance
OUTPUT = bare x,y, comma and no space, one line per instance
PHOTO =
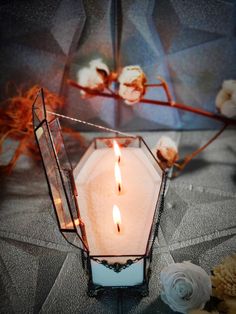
190,43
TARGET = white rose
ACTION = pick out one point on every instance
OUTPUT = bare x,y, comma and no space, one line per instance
226,99
94,77
132,84
185,286
166,151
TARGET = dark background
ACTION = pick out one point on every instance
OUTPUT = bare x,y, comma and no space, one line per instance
190,43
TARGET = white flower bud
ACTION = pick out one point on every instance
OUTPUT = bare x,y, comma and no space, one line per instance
132,84
166,151
226,99
221,97
185,287
228,109
94,77
229,86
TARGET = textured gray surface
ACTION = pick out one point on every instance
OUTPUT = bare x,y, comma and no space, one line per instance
190,43
40,271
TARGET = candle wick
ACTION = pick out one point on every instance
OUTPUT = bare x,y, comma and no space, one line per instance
118,227
119,159
119,187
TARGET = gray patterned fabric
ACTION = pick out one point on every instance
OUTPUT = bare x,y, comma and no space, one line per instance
41,272
190,43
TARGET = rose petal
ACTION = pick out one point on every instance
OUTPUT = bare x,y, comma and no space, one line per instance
185,286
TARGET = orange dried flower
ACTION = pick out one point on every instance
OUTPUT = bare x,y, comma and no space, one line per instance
16,121
228,306
224,278
202,312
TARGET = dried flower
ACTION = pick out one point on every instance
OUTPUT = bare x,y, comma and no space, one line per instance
185,286
166,151
132,84
95,77
228,306
226,99
202,312
224,278
16,122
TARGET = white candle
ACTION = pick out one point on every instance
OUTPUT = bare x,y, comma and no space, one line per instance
96,197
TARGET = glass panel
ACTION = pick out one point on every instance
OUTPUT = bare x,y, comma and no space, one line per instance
39,111
59,145
72,238
130,275
58,171
157,216
150,156
53,176
66,171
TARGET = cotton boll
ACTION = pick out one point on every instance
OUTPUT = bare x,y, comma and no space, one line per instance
228,109
99,64
234,96
166,151
226,99
130,73
132,84
94,77
229,86
130,95
221,97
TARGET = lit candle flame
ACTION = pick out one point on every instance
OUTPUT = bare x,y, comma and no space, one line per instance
116,217
118,176
117,150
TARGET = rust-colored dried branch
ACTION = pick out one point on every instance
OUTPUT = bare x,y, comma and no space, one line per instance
170,103
188,158
179,106
16,122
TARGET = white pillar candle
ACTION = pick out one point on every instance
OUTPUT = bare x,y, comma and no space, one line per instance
96,197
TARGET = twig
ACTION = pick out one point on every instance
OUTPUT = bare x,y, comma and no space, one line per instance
189,157
171,103
180,106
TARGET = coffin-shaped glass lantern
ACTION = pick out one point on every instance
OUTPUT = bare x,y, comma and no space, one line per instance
117,253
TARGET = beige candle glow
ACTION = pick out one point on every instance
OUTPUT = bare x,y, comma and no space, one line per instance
118,177
117,151
116,217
